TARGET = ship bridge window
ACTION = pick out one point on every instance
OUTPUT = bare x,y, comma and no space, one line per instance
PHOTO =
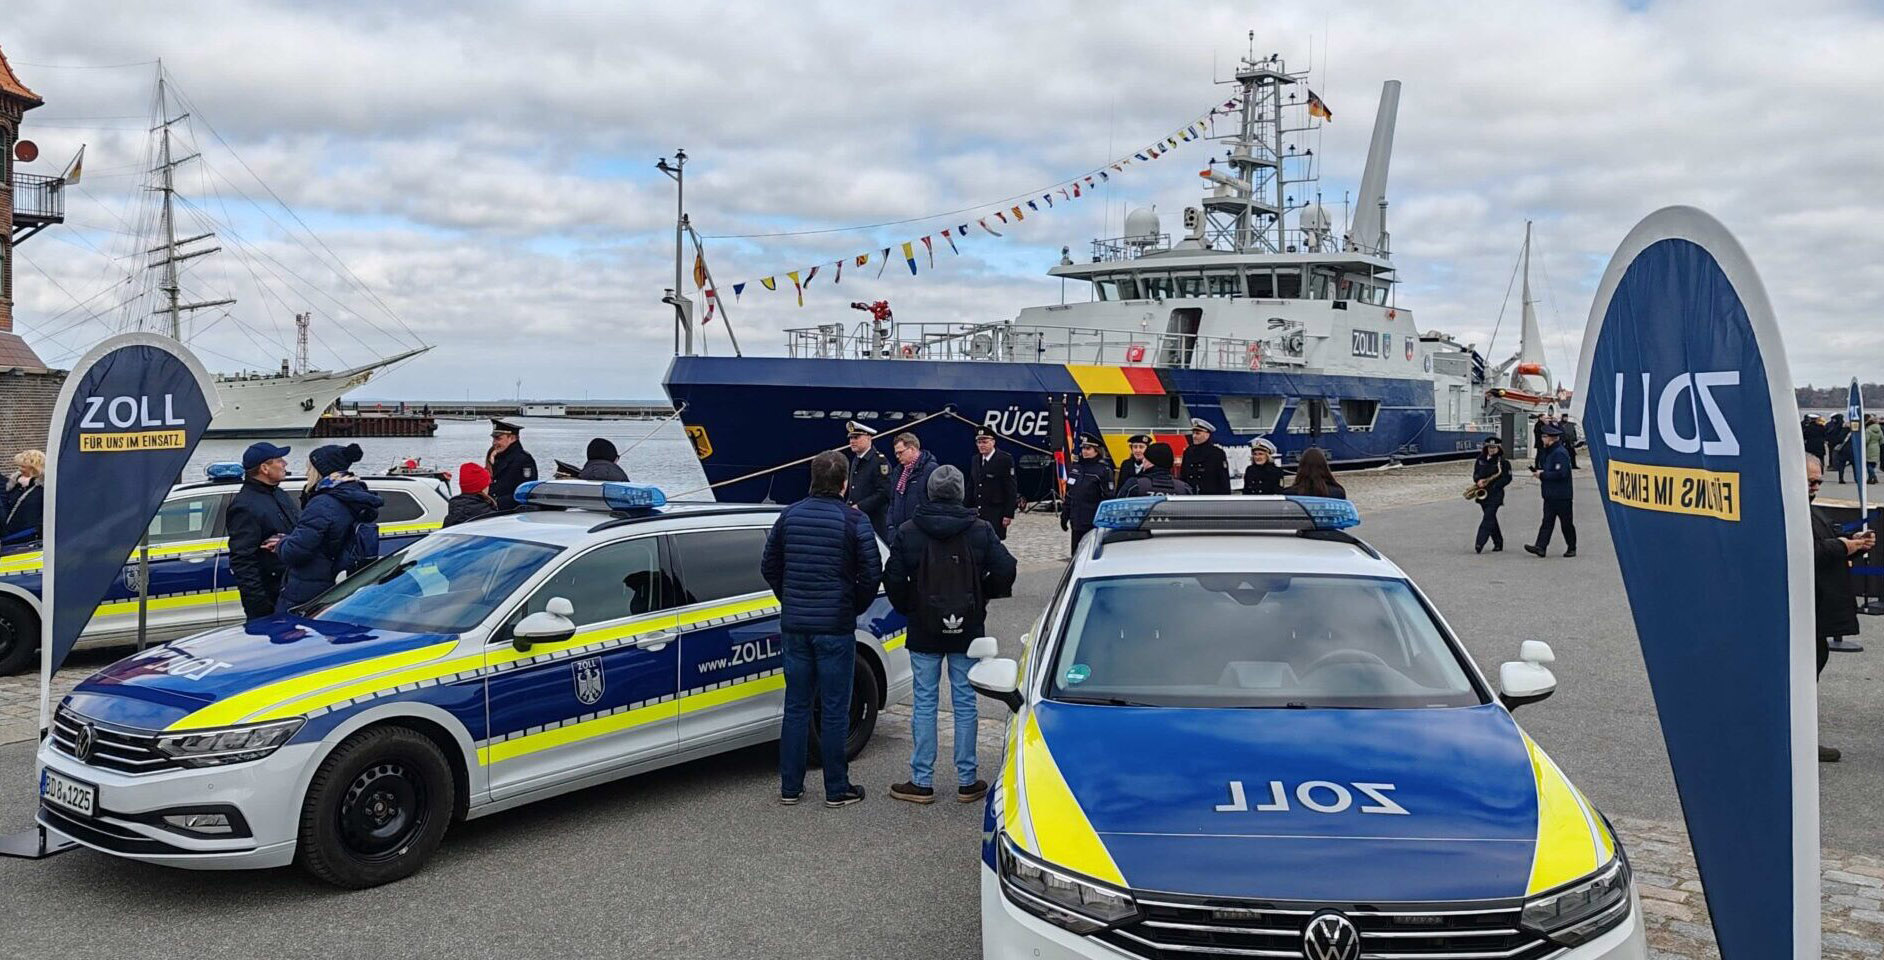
1252,414
1360,414
1288,284
1321,282
1189,286
1129,290
1221,285
1261,284
1106,289
1155,286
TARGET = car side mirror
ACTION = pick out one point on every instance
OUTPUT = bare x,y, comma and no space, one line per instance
981,648
552,625
1536,651
1524,682
997,678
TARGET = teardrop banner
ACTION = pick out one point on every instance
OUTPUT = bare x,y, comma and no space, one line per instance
1688,407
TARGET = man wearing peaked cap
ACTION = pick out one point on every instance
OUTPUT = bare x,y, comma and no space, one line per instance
992,490
869,484
1136,464
1088,482
1553,475
511,466
1206,468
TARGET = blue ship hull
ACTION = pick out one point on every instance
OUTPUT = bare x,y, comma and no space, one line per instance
749,415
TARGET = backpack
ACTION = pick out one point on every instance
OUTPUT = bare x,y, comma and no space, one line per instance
359,547
948,589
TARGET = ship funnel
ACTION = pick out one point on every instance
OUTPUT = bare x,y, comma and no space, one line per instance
1368,233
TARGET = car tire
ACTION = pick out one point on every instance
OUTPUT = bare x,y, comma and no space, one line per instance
376,809
19,637
863,715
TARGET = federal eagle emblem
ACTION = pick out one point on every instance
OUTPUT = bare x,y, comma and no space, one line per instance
589,679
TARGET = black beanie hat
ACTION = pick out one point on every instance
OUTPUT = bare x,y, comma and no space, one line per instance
601,449
333,458
1160,455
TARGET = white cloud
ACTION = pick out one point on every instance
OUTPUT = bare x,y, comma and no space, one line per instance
487,167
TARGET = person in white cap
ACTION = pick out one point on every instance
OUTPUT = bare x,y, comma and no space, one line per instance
1264,475
1206,469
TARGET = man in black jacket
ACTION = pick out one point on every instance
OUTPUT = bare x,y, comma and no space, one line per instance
258,516
992,490
1088,483
1157,478
821,560
869,488
1553,481
1492,474
1206,469
1136,464
1834,605
945,565
602,462
511,466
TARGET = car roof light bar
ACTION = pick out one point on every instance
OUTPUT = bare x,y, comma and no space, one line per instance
591,495
1285,514
223,472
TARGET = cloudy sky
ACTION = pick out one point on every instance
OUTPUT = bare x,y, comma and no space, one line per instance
480,176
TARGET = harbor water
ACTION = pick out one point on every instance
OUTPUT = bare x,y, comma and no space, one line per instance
664,458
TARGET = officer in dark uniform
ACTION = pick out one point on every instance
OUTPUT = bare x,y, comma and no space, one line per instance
1137,464
257,518
511,466
1206,469
869,488
992,490
1088,483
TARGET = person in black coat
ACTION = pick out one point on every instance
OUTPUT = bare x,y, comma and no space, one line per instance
1206,469
1553,475
1835,606
1572,438
313,552
1088,484
1815,438
1136,464
258,517
1492,474
1156,478
992,490
23,504
1314,478
1263,477
602,463
869,486
909,479
510,465
473,499
1537,438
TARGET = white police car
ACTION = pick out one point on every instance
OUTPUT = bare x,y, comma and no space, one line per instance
1241,732
191,587
485,666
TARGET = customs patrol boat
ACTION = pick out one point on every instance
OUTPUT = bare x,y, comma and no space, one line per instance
1263,318
1239,731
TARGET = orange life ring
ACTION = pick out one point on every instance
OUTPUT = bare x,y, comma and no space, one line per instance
1391,313
908,351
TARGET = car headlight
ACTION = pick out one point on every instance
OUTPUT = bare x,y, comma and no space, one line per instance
220,745
1577,912
1058,896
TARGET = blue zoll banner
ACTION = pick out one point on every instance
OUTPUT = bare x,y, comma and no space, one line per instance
1688,407
126,421
1854,426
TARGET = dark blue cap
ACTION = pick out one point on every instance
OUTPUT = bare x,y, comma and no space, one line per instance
1552,430
258,452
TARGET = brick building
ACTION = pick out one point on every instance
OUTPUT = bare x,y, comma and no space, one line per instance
28,204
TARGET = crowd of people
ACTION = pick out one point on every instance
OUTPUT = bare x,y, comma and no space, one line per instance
1838,444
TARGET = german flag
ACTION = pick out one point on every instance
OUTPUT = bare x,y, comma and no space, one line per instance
1316,108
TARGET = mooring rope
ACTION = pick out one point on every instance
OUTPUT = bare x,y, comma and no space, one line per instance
657,429
948,411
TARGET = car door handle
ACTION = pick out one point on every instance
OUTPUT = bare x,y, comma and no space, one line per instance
195,559
656,641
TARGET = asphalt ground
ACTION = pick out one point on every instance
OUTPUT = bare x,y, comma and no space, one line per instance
697,861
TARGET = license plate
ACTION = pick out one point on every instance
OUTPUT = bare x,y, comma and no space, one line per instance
68,793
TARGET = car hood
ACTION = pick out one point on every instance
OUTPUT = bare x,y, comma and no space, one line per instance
1328,804
232,674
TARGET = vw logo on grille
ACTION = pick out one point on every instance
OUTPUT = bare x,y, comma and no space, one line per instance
83,743
1331,936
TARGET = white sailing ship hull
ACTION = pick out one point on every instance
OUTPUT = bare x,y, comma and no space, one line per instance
275,406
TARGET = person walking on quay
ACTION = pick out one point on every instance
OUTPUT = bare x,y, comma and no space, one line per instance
1088,484
257,518
1835,607
1873,446
821,561
910,486
1553,474
869,486
1136,464
510,465
1537,437
1206,468
1313,478
473,499
1814,430
1264,475
23,504
1492,474
602,463
1157,477
992,490
945,564
322,544
1571,438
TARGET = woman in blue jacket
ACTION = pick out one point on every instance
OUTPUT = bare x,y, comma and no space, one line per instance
22,505
312,551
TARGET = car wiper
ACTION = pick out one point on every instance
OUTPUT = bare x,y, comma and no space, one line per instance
1290,705
1104,701
393,574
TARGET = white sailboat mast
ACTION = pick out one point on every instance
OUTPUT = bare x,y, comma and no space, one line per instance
1531,342
167,165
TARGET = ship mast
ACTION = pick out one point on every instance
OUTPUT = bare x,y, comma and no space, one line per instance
171,247
1245,212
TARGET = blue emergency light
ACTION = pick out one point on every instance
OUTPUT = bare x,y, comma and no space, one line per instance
224,472
1159,512
591,495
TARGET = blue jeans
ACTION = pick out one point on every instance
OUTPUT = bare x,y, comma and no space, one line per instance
927,673
825,663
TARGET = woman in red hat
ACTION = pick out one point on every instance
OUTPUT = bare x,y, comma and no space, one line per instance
474,496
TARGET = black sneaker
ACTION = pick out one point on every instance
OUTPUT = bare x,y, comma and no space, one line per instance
789,799
971,792
1533,549
1570,552
854,795
908,790
1498,548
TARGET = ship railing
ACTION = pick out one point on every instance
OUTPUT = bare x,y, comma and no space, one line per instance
1026,343
1129,248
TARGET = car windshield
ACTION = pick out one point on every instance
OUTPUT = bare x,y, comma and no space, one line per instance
1256,640
445,583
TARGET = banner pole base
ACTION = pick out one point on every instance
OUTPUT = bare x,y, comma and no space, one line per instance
35,844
